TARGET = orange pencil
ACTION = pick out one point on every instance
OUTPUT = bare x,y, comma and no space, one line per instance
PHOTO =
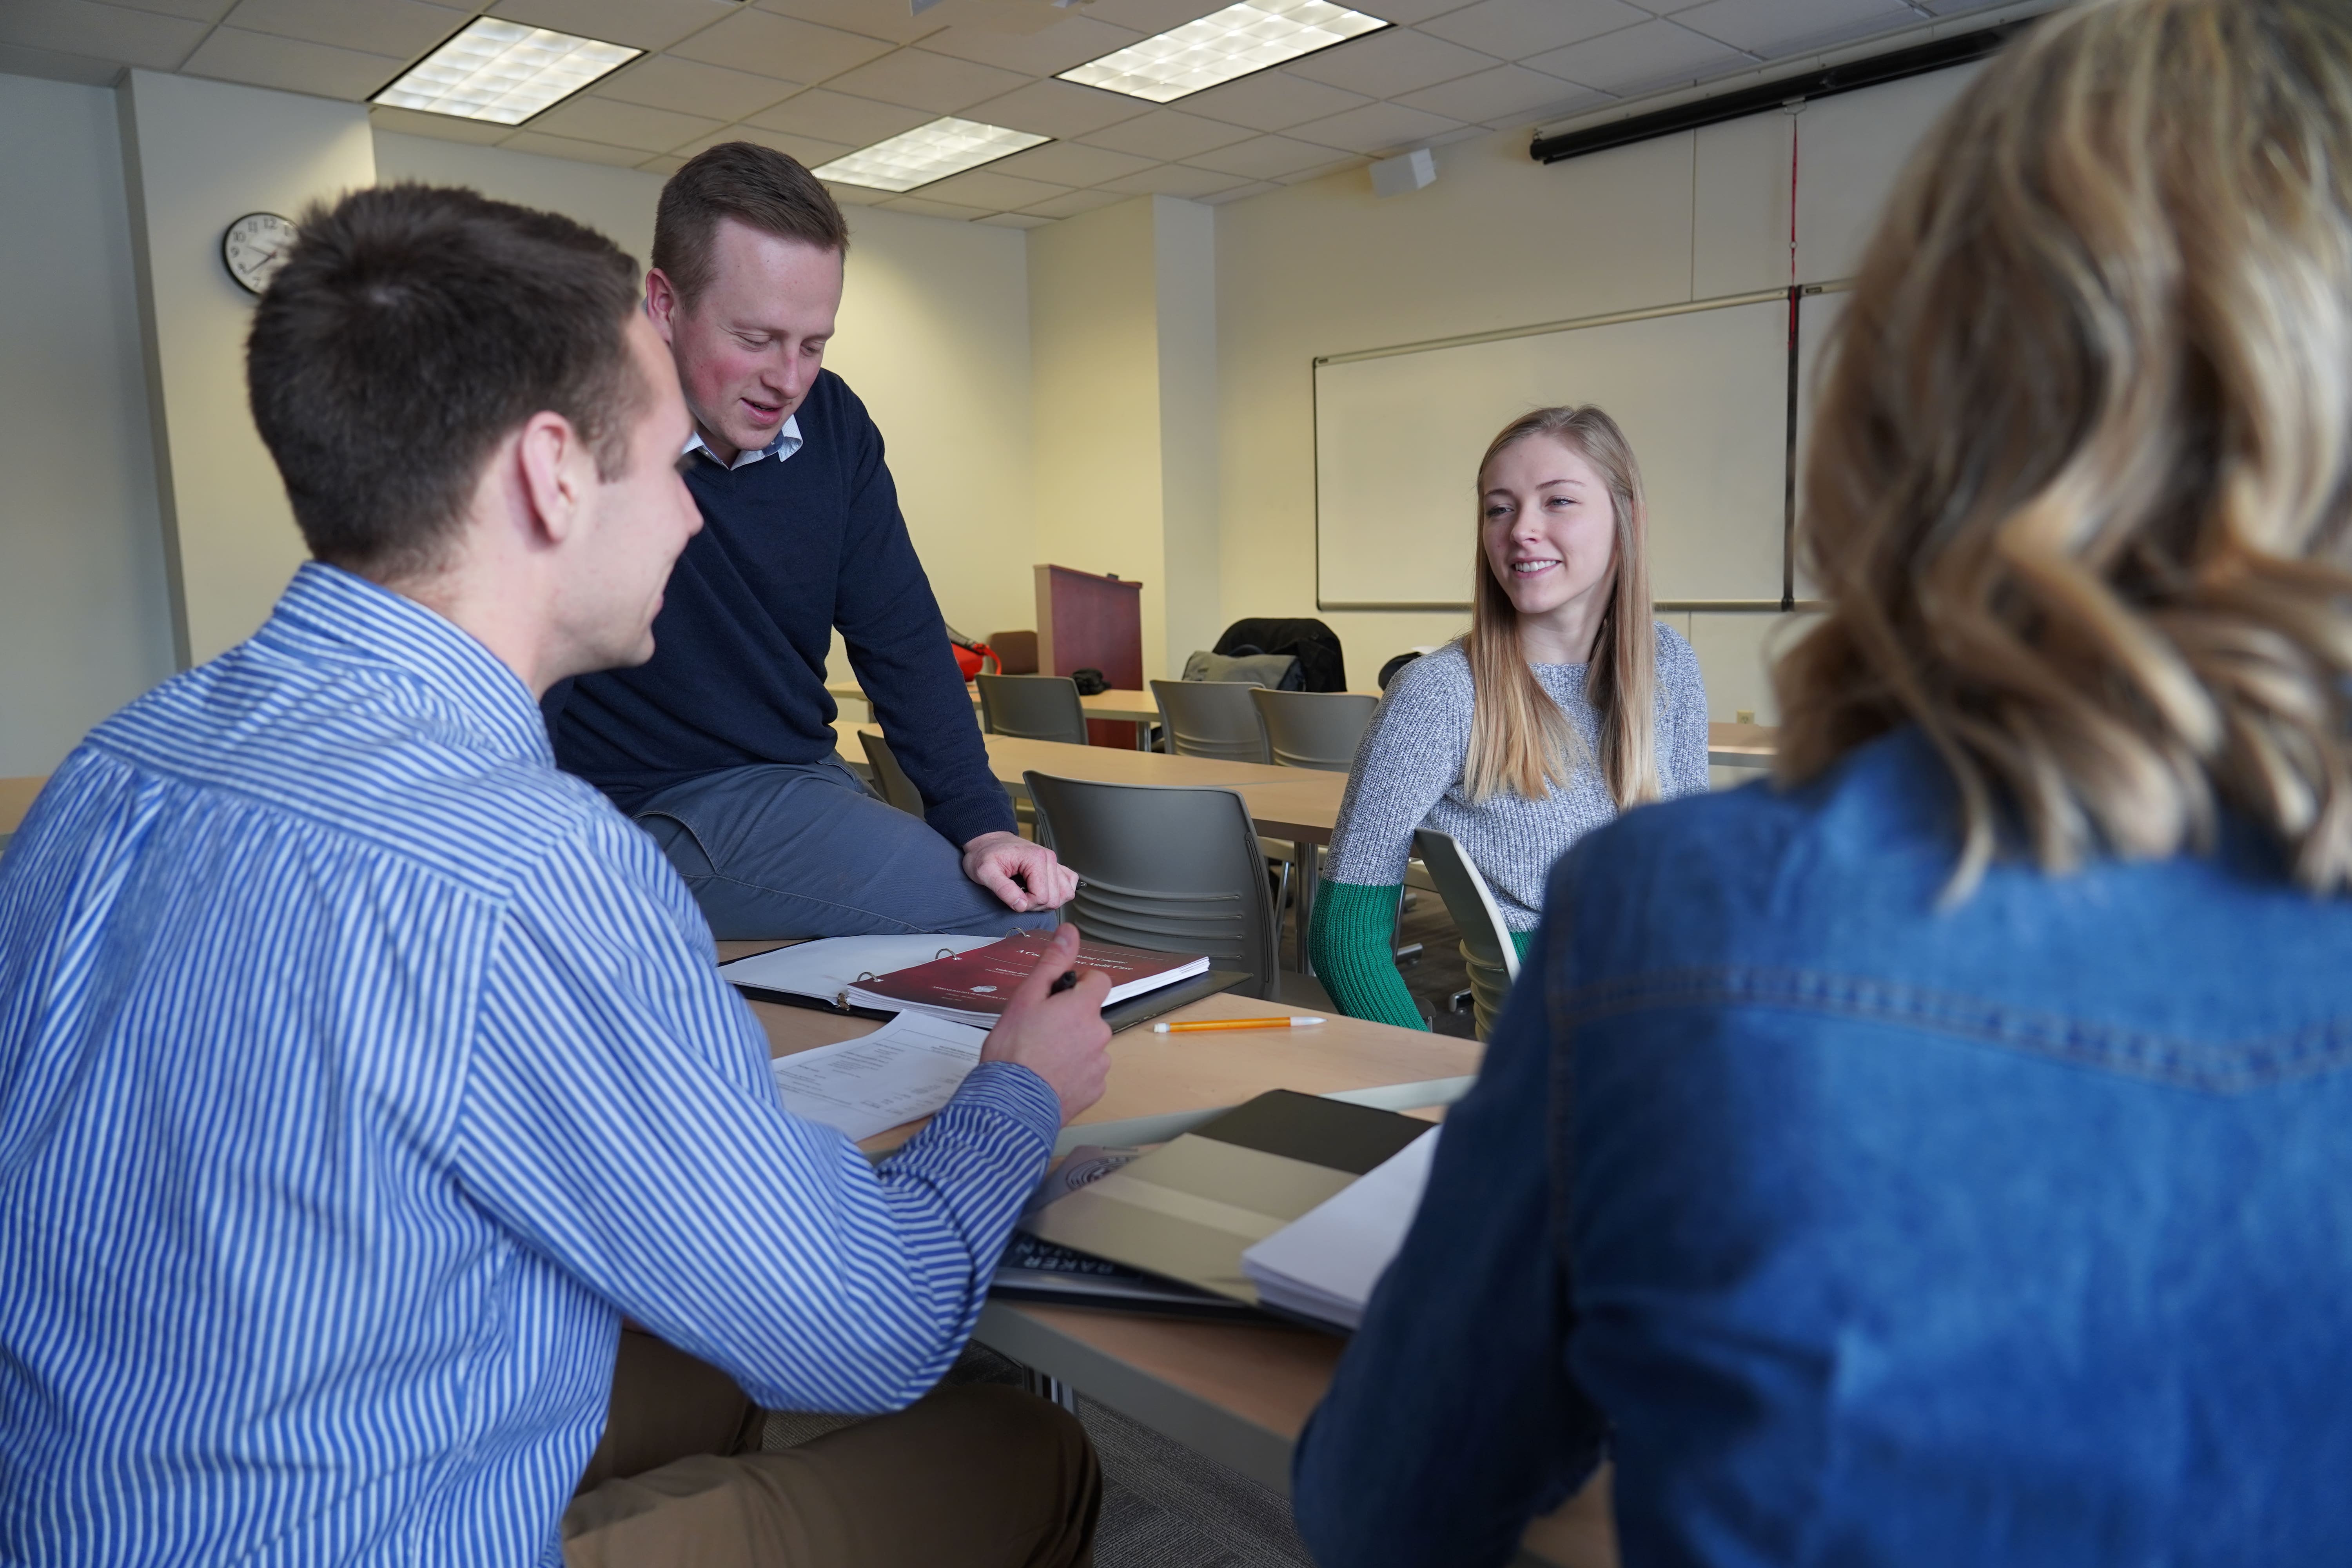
1201,1025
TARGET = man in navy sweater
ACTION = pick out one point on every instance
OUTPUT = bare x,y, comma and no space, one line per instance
721,746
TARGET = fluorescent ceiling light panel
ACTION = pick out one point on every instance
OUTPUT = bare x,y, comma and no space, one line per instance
504,72
1233,42
927,153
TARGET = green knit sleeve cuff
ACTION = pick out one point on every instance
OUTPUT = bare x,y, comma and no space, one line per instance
1523,939
1350,939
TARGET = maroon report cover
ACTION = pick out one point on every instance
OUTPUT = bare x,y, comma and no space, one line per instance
973,987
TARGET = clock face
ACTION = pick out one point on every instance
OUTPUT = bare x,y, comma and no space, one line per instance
255,247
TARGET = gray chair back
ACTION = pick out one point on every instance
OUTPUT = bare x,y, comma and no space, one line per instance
1173,869
1033,708
897,787
1314,728
1488,952
1210,718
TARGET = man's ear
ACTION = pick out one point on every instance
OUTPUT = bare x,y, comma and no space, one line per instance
661,302
551,458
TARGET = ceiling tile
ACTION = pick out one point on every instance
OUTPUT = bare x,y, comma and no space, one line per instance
1271,100
1776,27
692,87
923,206
809,150
615,124
940,83
446,127
579,152
102,32
1514,29
1058,109
663,164
48,65
1506,93
232,54
1263,157
987,188
1071,163
833,116
404,27
1241,192
641,24
1635,59
198,10
1148,17
1073,40
1167,133
779,47
1176,180
1303,175
1078,202
1375,128
1384,64
856,195
892,19
1014,220
1408,13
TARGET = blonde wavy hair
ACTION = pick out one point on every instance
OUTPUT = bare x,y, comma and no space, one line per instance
1520,741
2081,472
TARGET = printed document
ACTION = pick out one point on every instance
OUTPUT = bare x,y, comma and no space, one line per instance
906,1069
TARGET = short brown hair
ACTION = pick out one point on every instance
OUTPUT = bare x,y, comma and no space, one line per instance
411,329
2080,490
751,184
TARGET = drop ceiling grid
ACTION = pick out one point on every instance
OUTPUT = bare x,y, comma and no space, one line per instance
811,76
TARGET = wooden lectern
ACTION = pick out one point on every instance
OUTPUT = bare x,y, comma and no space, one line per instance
1091,621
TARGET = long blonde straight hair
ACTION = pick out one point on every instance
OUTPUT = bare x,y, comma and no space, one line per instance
2080,479
1520,741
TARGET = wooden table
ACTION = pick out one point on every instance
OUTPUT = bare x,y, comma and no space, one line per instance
1741,745
1239,1393
16,800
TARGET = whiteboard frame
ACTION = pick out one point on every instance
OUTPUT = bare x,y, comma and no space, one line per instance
1795,293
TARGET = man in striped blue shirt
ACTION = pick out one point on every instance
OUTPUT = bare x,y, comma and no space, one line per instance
358,1071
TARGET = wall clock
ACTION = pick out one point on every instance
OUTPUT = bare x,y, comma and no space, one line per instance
254,247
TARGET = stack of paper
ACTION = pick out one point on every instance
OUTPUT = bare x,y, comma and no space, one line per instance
1323,1264
906,1069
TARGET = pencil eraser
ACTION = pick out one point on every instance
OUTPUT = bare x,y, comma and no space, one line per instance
1159,1028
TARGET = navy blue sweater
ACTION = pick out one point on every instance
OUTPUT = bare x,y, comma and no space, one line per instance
788,551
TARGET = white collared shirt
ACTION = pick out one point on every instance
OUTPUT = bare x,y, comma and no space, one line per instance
787,442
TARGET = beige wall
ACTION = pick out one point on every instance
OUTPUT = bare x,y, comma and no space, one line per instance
1501,241
201,155
85,622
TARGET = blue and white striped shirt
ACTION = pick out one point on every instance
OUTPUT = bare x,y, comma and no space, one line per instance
357,1072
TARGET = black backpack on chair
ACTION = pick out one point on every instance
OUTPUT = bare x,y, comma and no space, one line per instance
1321,665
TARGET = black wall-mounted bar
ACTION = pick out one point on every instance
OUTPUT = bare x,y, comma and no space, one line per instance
1893,65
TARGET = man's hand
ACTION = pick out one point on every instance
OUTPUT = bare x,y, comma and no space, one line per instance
1026,875
1063,1038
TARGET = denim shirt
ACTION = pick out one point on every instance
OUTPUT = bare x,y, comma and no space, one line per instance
1856,1230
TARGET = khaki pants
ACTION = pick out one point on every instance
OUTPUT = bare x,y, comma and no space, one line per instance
976,1477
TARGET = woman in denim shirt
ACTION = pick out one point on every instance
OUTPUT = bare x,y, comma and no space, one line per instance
1945,1156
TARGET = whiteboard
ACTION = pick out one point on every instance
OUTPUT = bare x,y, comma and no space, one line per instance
1702,394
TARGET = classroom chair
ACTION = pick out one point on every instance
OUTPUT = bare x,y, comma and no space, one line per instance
1173,869
1033,708
895,786
1488,952
1210,718
1017,652
1314,728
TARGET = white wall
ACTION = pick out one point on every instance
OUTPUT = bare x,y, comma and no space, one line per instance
934,336
85,624
200,155
1501,241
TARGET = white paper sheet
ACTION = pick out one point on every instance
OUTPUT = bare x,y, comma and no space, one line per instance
908,1068
826,968
1325,1263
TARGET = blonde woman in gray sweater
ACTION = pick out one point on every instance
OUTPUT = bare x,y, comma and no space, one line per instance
1564,705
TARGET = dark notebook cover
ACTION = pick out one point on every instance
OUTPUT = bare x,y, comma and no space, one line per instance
1188,1210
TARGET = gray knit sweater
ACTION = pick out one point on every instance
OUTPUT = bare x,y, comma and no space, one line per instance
1408,775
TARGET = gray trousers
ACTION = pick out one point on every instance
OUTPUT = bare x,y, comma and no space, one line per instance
802,849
